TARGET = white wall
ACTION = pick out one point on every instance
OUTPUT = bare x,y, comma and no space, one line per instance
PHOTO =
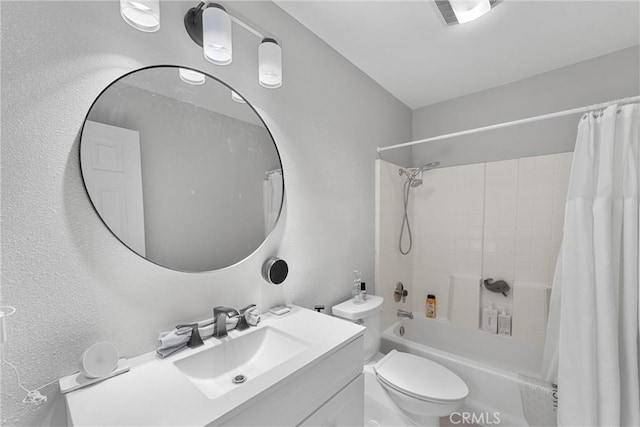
605,78
72,282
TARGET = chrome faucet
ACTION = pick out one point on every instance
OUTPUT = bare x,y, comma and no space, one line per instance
404,313
220,315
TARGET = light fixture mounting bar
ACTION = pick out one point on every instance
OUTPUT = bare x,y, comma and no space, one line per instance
247,27
193,22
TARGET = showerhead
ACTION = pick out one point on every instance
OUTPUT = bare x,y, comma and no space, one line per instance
412,173
413,179
429,166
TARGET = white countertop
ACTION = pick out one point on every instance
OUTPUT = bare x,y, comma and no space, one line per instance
155,392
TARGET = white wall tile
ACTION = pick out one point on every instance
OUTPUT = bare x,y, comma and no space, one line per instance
464,304
506,246
427,282
501,220
530,311
542,187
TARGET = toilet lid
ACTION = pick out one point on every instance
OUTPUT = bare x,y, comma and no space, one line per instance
420,378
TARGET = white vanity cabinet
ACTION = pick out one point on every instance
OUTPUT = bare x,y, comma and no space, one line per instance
313,397
343,409
315,380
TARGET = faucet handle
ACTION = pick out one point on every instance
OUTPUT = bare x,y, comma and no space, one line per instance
400,293
242,322
242,310
196,339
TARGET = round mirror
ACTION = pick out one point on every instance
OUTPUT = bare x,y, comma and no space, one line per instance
181,168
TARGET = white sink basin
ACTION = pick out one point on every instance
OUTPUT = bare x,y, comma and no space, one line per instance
243,358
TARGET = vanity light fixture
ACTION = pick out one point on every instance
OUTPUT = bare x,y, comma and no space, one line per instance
216,35
143,15
270,64
463,11
191,77
209,26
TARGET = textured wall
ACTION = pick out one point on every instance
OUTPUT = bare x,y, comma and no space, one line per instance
72,282
600,79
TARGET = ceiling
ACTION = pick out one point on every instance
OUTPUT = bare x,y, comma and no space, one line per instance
407,48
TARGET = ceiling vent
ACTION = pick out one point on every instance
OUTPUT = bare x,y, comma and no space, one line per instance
449,14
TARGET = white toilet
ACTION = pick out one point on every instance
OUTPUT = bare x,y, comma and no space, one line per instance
421,389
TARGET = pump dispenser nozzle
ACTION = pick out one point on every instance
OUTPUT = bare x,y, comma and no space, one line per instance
358,276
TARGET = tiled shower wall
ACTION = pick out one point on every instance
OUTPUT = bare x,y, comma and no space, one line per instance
447,218
500,220
524,214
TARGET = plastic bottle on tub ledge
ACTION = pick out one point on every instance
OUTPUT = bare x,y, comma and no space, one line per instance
431,306
490,319
504,323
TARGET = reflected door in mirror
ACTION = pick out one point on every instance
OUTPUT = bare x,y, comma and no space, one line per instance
111,164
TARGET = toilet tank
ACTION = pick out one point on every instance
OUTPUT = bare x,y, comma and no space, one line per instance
367,315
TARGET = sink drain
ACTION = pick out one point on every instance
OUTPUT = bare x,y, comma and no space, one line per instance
239,379
401,331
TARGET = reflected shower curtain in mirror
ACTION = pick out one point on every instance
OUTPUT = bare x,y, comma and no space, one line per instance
272,196
592,342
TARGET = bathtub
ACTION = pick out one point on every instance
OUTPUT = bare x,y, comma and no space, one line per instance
488,363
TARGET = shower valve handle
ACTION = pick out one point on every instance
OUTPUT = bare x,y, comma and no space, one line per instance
400,293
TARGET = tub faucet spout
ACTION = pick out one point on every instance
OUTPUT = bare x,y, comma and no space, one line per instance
404,313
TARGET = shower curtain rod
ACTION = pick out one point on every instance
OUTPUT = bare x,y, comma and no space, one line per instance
514,123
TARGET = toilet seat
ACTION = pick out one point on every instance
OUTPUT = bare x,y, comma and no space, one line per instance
420,378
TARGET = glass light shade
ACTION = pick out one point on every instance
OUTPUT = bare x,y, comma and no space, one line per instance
237,98
270,64
143,15
191,77
216,35
468,10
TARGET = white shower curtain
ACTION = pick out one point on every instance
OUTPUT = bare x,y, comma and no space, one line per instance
272,189
592,339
